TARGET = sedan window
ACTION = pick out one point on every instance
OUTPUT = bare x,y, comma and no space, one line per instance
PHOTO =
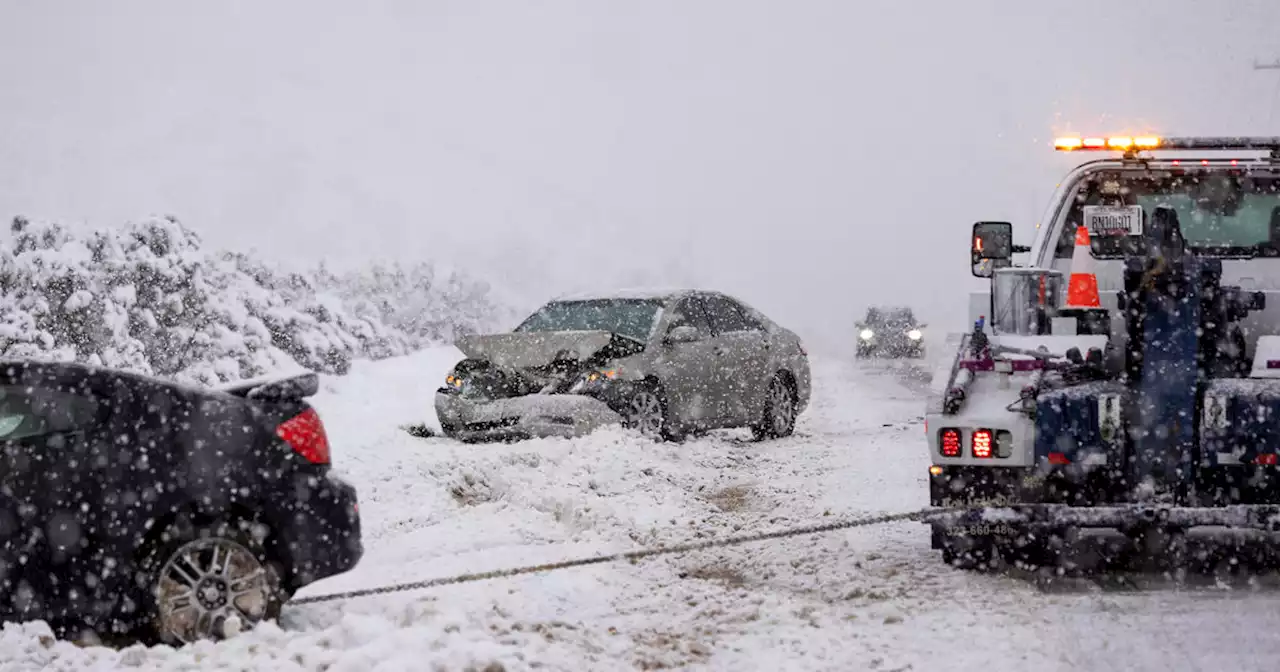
752,323
725,316
689,312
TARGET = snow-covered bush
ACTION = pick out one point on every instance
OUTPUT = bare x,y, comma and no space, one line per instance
149,297
428,304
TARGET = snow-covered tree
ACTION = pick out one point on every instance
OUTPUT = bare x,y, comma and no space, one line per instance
424,303
150,297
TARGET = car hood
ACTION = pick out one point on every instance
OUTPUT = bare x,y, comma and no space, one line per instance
522,350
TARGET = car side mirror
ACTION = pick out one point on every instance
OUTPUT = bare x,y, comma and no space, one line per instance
990,247
685,333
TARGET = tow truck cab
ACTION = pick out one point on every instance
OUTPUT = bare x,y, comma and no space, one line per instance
1228,209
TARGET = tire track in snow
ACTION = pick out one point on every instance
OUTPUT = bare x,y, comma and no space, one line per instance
853,415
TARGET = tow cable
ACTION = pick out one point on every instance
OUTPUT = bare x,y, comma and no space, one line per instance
631,556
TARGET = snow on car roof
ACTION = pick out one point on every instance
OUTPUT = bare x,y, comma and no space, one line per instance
633,293
890,312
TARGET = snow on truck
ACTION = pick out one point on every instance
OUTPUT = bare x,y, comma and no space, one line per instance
1124,383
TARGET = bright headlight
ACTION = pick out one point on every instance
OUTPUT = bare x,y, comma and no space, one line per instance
915,335
867,334
598,375
592,378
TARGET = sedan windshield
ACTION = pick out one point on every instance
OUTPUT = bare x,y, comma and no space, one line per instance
632,318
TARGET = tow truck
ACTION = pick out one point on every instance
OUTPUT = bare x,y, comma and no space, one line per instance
1145,422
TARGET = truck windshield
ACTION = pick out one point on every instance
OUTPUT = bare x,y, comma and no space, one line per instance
1220,213
633,318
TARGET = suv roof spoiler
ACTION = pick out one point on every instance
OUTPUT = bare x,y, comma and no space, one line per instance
275,388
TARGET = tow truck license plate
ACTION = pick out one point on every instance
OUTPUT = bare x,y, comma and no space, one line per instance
1109,220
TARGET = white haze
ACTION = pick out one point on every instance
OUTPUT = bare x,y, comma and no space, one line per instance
811,157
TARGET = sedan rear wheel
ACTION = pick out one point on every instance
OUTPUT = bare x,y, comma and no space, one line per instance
213,587
779,411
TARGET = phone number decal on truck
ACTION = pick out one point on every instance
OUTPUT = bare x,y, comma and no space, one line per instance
981,531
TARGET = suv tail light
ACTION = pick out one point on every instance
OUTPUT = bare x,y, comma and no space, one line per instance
982,443
950,443
305,434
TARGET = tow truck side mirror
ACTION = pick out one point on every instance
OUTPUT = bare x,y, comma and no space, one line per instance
990,247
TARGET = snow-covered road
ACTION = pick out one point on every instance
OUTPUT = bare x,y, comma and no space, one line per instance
874,598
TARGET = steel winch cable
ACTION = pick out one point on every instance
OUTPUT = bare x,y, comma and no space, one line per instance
631,556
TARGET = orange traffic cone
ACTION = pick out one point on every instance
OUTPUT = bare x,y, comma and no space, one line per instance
1082,288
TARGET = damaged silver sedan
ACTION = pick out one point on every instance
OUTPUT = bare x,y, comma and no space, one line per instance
665,363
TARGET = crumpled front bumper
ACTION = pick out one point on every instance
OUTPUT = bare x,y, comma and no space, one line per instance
530,416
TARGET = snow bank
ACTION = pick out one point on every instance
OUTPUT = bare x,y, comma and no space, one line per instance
877,598
435,508
150,297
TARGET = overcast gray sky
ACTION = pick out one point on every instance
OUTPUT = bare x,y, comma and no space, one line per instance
809,156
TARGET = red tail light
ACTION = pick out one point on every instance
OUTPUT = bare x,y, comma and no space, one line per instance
1059,458
305,433
1268,459
950,443
982,443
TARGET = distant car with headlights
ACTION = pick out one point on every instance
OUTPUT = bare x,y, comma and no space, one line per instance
890,332
667,363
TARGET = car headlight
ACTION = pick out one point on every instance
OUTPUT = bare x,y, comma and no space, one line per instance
455,383
915,335
592,379
867,334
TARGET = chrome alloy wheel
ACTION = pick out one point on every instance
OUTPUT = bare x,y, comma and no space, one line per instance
211,589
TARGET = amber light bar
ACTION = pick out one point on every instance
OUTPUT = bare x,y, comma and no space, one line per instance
1151,142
